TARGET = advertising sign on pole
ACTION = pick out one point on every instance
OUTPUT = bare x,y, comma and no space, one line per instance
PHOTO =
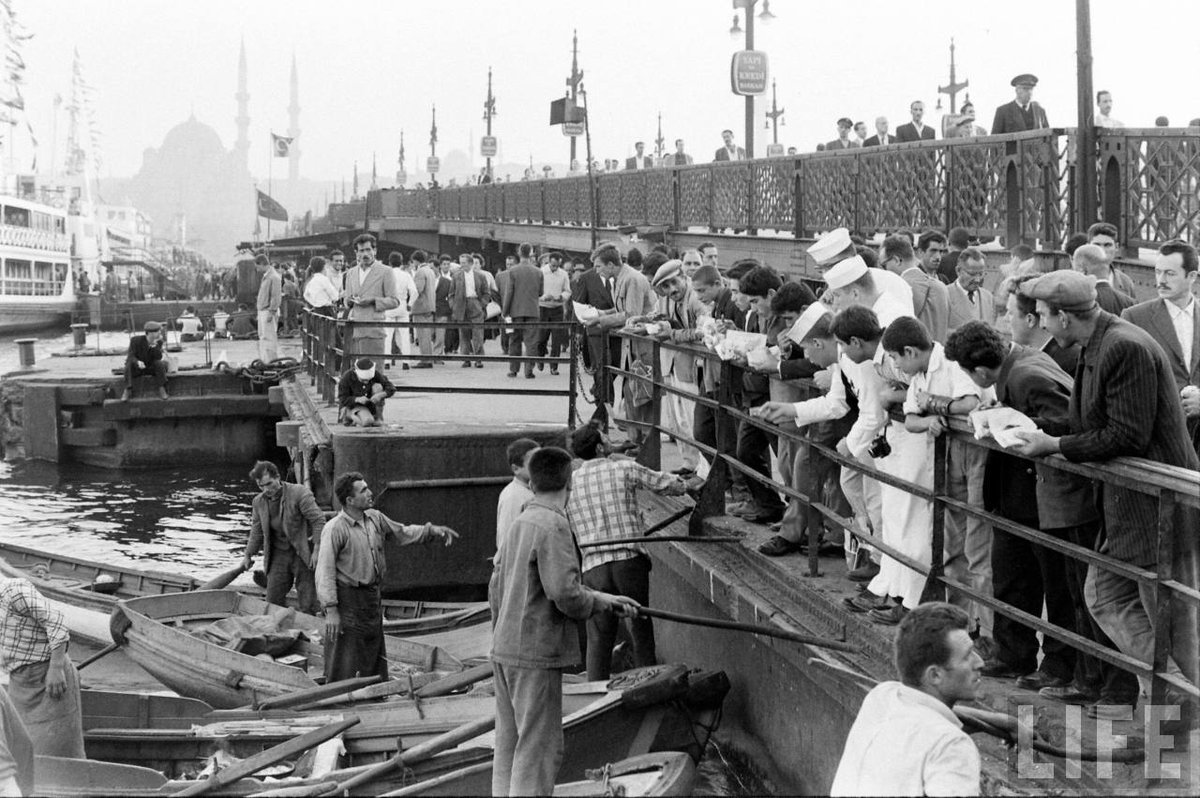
487,146
748,72
432,165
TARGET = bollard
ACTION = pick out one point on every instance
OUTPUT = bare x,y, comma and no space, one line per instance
79,335
25,350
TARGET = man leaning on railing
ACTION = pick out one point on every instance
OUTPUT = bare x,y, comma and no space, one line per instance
1124,404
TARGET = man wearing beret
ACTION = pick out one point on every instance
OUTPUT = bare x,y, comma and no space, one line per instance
145,358
1022,113
1124,404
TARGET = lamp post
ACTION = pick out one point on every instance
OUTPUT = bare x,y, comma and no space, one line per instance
747,7
774,116
489,110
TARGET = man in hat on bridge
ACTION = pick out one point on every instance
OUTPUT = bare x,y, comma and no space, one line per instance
1022,113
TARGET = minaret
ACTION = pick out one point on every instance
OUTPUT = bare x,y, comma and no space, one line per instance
294,126
242,147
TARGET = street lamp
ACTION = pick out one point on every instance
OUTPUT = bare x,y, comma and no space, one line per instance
766,16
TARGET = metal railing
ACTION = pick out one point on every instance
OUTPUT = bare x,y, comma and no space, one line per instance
1020,186
328,351
1169,485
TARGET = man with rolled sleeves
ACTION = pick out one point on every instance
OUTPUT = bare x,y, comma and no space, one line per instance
1124,404
1022,113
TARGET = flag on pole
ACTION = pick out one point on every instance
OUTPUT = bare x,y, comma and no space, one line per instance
281,146
271,209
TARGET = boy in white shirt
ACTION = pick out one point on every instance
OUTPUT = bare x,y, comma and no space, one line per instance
516,493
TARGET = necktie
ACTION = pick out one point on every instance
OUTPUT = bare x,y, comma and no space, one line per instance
971,295
611,282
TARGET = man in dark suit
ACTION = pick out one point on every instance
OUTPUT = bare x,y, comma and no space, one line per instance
1124,403
1027,329
285,525
729,152
145,358
1056,502
915,130
597,291
1173,320
1022,113
469,295
679,157
881,137
640,160
522,288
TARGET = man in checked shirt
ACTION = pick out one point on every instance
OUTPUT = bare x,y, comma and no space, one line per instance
43,684
602,505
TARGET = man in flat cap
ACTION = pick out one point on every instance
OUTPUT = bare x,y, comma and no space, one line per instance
843,141
1124,404
1022,113
145,358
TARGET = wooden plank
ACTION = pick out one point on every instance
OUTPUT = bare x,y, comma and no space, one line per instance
40,414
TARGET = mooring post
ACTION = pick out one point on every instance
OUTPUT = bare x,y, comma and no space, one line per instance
79,335
25,351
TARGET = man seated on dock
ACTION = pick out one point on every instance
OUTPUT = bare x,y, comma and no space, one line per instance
242,325
350,569
604,506
190,326
536,598
906,739
362,391
220,319
146,358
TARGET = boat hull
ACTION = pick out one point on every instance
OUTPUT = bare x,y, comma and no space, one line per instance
154,630
18,316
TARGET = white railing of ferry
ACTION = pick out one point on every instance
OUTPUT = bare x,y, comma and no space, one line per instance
46,240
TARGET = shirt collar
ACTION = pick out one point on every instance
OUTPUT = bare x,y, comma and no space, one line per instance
1185,312
929,702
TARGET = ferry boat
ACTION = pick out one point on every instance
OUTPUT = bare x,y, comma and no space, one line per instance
37,288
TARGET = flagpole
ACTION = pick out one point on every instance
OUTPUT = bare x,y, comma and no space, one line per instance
270,169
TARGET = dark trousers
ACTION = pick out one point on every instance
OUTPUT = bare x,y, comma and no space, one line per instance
358,650
602,385
470,339
157,369
721,435
519,336
286,569
754,450
557,336
630,578
1114,685
1023,574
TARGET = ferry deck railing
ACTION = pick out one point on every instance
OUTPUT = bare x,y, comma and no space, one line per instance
1171,486
328,353
1018,186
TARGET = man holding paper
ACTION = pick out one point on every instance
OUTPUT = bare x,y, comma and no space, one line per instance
1058,503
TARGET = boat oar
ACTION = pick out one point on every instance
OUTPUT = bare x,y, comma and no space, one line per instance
309,694
418,753
221,581
769,631
660,539
110,648
670,519
456,681
273,755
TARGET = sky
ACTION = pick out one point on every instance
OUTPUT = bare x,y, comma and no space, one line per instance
371,68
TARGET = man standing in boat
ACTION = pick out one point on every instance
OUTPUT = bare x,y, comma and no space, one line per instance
350,568
285,525
42,681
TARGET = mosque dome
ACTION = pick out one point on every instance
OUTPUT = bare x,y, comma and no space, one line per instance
193,137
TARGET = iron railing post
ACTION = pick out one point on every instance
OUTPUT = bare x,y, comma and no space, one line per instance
1163,596
934,589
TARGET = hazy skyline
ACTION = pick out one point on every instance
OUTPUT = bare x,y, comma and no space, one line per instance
369,69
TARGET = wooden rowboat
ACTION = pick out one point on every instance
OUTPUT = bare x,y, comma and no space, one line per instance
664,773
158,633
85,592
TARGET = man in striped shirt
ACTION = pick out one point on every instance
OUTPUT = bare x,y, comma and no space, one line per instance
603,505
43,684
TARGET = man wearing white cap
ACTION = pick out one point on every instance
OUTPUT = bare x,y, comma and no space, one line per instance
361,393
836,247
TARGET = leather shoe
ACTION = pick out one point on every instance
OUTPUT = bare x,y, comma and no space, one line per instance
866,602
1106,711
777,546
125,395
999,669
466,364
865,573
768,517
162,393
1069,694
889,617
741,508
1039,679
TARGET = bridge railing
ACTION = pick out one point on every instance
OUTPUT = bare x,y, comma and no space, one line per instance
329,349
1171,487
1018,186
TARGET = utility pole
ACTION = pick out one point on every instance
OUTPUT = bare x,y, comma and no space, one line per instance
402,174
433,135
574,80
750,97
489,110
659,141
773,115
1085,153
952,88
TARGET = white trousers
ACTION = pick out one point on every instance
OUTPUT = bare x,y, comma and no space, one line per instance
907,522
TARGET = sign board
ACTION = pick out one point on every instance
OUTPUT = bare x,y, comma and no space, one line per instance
573,129
774,150
748,72
432,165
487,146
